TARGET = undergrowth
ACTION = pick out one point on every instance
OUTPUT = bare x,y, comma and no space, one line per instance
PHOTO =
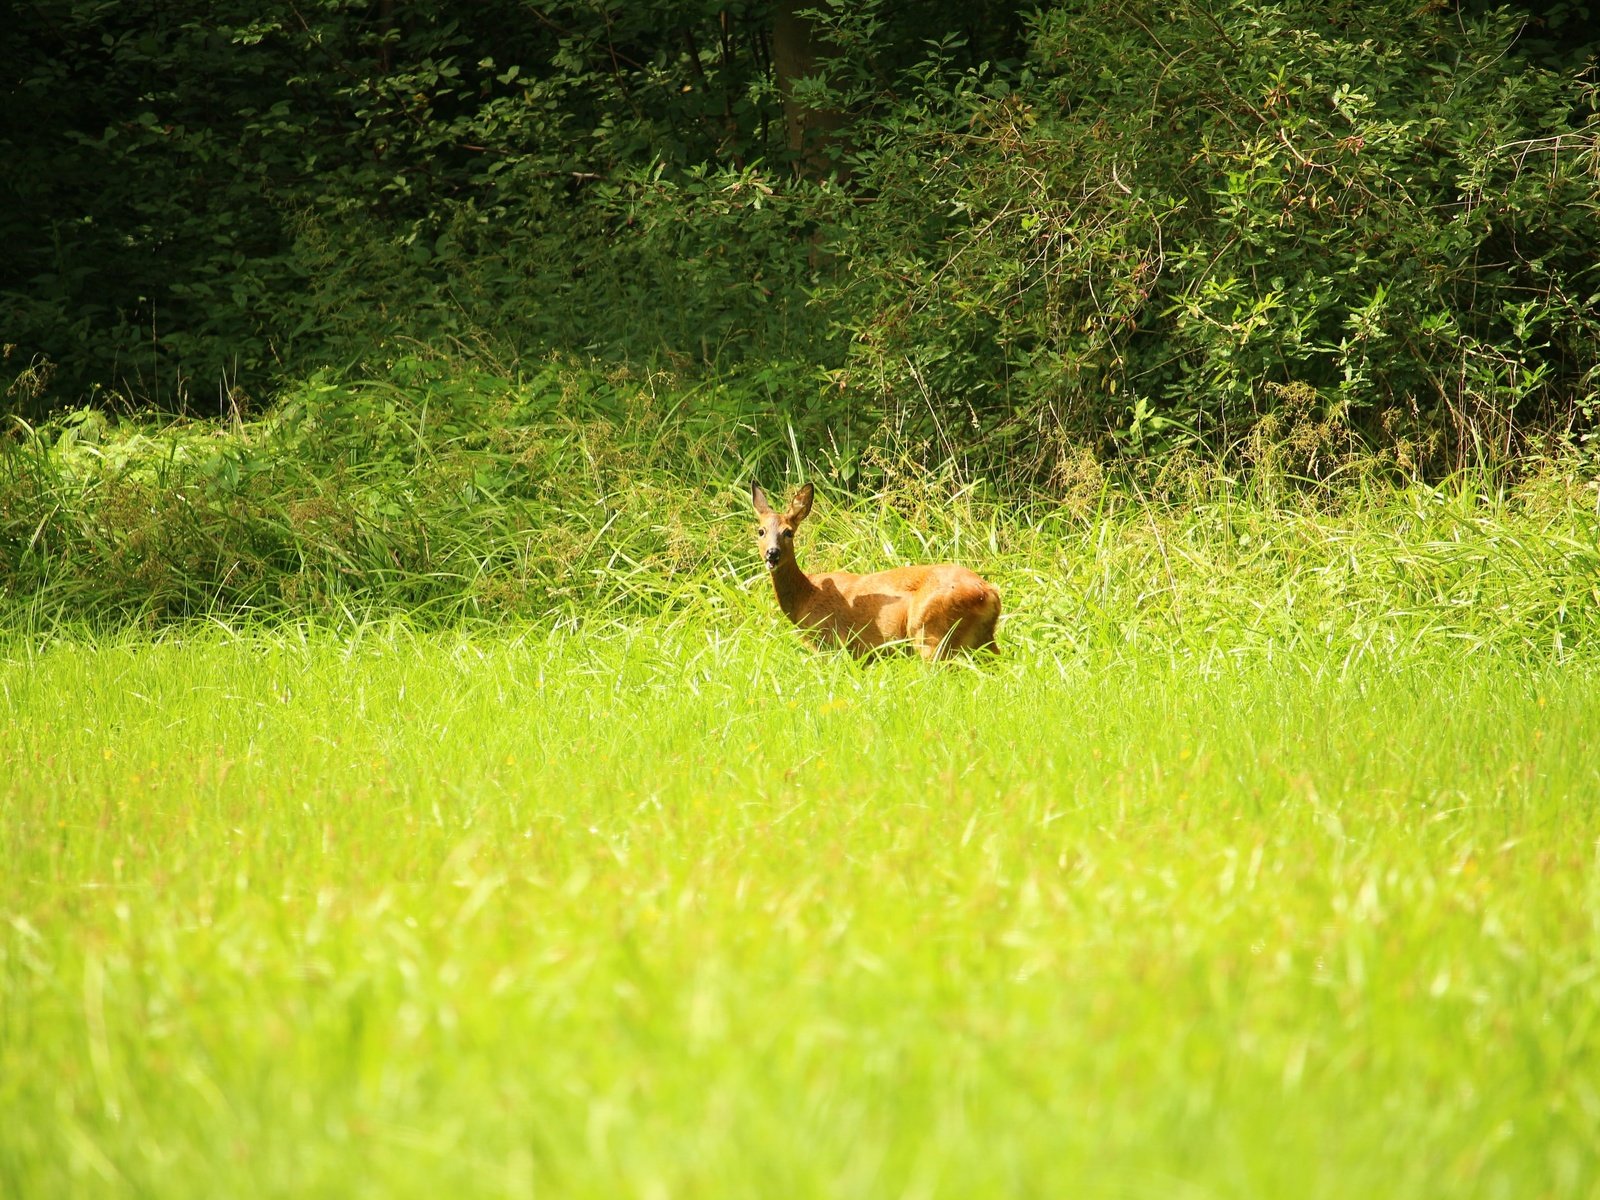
451,496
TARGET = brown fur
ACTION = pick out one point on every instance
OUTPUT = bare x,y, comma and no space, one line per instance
938,609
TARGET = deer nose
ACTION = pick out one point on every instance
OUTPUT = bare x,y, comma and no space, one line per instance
773,555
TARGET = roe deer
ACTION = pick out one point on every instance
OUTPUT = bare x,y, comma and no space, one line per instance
938,609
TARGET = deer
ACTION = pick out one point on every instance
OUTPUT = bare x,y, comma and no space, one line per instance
937,610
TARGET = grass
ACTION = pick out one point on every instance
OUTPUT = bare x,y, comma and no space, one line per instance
677,908
416,792
451,497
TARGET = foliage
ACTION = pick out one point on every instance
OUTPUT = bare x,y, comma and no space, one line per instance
1137,229
1178,215
204,198
201,194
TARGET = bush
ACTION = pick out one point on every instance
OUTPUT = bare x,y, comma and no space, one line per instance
1176,215
435,490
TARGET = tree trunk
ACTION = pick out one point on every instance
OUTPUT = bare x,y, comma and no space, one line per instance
809,132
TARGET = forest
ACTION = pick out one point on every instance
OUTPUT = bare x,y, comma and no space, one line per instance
412,782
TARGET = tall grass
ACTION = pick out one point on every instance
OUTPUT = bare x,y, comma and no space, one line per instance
449,496
677,908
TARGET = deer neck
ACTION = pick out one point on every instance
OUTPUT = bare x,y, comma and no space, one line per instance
792,585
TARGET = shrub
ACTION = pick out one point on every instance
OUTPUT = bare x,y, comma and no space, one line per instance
1176,214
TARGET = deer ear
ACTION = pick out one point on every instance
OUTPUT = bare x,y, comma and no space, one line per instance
801,507
759,499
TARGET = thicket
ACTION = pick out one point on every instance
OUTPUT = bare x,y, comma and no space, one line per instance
1198,226
236,193
1012,235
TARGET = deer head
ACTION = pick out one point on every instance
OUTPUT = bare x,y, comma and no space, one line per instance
776,530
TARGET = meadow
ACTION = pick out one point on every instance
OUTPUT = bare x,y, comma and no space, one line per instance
1262,862
409,787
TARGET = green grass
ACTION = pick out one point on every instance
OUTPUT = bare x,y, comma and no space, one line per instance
1209,901
417,793
449,496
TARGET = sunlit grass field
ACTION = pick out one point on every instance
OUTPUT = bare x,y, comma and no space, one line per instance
675,907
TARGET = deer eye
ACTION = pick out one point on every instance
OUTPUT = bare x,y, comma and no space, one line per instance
789,533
